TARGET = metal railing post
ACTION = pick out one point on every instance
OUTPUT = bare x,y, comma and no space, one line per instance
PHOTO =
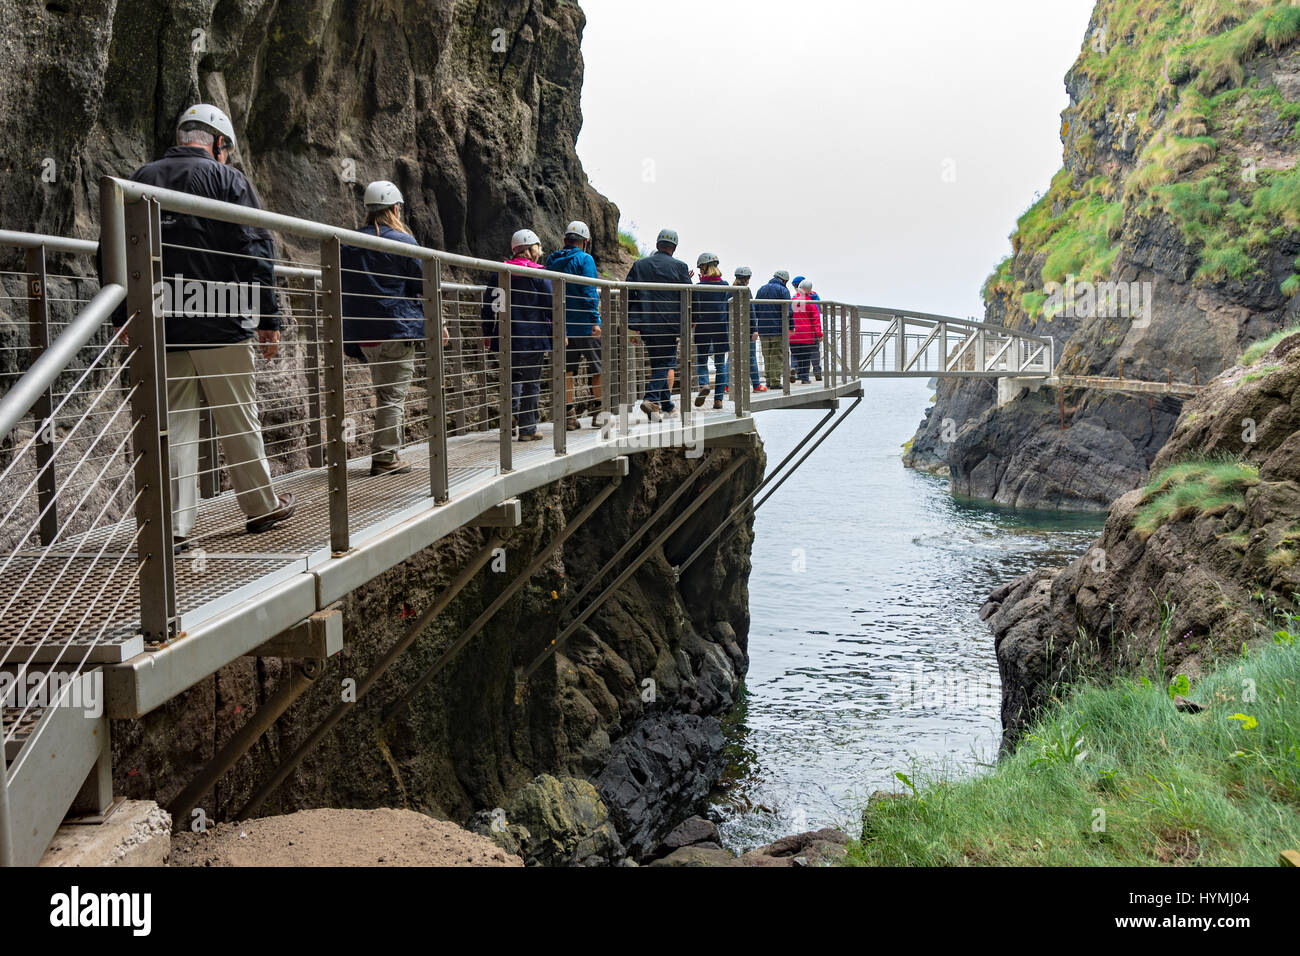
439,476
740,361
505,362
38,313
844,346
336,420
148,369
855,341
559,355
315,436
900,345
627,371
686,360
608,340
787,368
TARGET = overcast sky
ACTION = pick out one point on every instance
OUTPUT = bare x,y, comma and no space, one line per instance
818,136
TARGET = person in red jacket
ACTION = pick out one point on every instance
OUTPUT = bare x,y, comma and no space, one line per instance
805,332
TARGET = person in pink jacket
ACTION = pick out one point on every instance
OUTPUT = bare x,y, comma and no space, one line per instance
805,332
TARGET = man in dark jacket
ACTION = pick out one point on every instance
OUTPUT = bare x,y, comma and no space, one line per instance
768,319
657,315
218,294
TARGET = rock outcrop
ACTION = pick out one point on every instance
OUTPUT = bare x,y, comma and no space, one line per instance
1180,187
1171,590
472,109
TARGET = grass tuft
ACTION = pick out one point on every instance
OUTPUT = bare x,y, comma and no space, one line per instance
1194,488
1115,775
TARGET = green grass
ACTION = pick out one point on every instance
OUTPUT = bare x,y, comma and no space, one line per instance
1194,488
1259,349
629,242
1192,53
1115,775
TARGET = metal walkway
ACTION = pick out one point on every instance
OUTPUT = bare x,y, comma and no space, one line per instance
95,600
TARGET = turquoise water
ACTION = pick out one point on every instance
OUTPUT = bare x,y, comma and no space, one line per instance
866,649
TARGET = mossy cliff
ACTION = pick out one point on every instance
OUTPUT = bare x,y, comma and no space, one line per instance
1179,176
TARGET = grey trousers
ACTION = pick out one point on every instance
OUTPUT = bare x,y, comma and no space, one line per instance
225,376
392,366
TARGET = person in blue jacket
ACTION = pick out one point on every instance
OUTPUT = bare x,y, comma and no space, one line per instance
768,316
531,311
383,317
712,328
817,352
581,319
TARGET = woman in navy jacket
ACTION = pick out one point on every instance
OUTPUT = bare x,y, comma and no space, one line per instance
383,313
712,326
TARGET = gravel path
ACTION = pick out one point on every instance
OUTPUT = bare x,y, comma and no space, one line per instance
339,838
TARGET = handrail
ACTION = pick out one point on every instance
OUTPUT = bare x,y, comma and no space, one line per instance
18,401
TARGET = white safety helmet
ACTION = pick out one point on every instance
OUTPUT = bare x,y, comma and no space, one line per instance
524,238
669,236
782,275
578,228
213,119
805,285
744,272
706,259
382,194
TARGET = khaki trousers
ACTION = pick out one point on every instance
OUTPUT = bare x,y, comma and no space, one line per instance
225,376
392,366
773,359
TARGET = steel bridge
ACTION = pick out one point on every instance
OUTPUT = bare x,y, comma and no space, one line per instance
99,606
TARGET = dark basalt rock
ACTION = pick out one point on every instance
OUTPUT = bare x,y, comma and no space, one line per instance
660,772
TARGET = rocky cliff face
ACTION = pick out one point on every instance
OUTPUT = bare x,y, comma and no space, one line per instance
471,108
1180,186
631,702
1202,560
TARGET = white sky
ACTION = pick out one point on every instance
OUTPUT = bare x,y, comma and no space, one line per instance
813,135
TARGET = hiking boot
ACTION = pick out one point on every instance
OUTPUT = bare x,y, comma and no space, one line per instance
760,388
717,403
288,503
571,423
394,467
651,409
180,544
532,436
699,399
818,377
